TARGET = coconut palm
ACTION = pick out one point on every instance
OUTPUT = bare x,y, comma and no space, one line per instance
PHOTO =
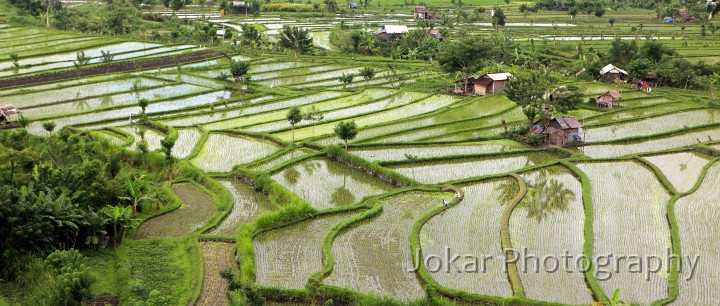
296,39
239,69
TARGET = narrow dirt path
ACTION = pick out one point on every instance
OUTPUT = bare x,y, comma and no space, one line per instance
217,256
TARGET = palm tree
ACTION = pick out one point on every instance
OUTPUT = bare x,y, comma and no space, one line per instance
714,84
49,126
136,189
239,69
296,39
120,218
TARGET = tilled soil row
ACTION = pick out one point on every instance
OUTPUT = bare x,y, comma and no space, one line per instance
111,68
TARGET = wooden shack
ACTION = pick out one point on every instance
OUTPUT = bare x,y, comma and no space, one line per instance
560,131
481,85
6,110
391,32
608,99
421,12
610,73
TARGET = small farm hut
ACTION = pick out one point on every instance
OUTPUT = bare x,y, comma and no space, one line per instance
392,32
481,85
610,73
435,33
608,99
421,12
6,110
559,131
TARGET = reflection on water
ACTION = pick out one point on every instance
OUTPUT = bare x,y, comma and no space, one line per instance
545,196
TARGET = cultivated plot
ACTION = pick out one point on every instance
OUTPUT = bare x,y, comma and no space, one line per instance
327,184
399,153
197,207
682,169
221,152
697,216
286,257
548,222
629,210
374,256
472,227
248,204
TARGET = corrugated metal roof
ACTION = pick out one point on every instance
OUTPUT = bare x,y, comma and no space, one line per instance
394,29
502,76
610,68
569,122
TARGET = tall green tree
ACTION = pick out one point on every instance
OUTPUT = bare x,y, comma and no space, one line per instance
251,36
296,39
143,103
498,18
346,131
528,90
294,116
467,56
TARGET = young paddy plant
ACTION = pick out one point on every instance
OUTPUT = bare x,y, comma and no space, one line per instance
328,184
221,152
629,206
373,257
471,227
286,257
697,215
682,169
549,221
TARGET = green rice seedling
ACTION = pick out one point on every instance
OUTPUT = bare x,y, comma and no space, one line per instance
286,257
248,205
267,107
187,139
445,171
548,222
697,216
629,210
470,227
654,125
281,159
420,107
222,152
78,92
327,184
110,101
652,145
400,153
682,169
374,256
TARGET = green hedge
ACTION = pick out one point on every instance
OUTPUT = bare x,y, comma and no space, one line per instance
129,138
290,207
588,233
513,275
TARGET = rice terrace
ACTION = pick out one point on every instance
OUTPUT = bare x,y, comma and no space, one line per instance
324,152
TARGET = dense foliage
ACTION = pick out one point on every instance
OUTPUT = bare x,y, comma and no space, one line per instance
63,192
